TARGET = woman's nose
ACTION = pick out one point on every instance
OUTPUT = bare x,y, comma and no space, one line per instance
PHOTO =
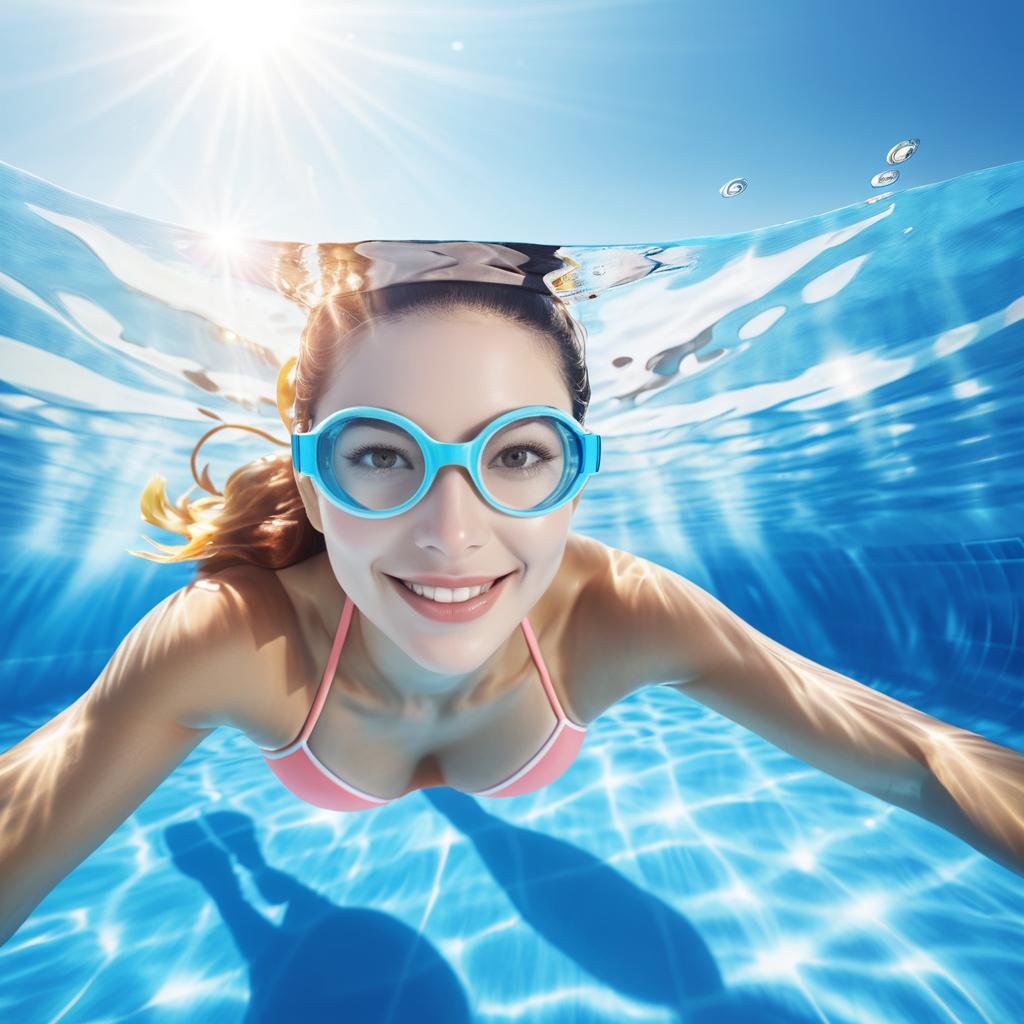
453,513
453,492
452,516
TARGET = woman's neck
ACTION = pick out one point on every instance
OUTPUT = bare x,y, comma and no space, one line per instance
405,685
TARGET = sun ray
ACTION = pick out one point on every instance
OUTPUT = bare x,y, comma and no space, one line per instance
48,75
242,115
368,100
231,103
137,85
282,70
509,90
269,106
167,126
355,197
401,152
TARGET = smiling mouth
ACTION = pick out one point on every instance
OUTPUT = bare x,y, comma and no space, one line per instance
494,582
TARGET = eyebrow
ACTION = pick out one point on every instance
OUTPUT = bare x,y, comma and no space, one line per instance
467,435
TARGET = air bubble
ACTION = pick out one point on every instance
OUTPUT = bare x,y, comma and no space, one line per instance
902,151
733,188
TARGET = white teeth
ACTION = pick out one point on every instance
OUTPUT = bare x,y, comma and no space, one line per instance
445,595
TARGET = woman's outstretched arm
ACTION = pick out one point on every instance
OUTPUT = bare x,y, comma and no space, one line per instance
966,784
678,633
67,786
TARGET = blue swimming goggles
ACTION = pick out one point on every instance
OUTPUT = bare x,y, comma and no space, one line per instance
375,463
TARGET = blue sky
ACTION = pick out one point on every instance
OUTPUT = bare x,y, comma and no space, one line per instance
567,122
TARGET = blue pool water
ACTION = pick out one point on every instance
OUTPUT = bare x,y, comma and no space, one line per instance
819,422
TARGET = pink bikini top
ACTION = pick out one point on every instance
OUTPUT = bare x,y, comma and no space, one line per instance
311,780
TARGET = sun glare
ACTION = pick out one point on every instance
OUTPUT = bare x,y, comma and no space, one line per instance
244,32
225,239
258,90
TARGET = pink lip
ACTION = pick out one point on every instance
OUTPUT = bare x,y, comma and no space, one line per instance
462,611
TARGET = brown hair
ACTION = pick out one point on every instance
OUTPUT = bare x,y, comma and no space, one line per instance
259,519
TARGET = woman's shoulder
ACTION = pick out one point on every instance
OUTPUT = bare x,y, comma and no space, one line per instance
595,571
263,621
625,623
585,557
595,623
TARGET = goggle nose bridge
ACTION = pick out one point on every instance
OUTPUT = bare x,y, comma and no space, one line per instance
452,453
449,453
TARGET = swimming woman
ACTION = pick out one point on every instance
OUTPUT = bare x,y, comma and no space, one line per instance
399,602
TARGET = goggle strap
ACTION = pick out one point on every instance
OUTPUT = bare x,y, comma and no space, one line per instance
300,457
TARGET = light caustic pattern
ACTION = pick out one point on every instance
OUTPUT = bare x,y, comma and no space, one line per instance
819,422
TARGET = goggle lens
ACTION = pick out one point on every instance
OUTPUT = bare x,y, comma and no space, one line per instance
528,464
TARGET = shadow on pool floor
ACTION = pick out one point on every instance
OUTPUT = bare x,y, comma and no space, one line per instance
328,963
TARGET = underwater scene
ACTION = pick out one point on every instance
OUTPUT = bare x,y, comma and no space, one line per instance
819,422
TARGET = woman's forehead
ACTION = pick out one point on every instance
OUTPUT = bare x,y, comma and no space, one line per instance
421,327
466,374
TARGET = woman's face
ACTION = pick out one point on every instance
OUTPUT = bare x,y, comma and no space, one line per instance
451,374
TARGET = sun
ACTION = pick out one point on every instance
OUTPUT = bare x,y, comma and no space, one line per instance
261,91
244,33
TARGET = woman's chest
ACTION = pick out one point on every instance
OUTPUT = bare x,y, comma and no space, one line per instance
472,749
472,746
